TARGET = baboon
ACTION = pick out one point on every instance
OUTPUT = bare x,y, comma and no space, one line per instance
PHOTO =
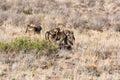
52,34
61,37
70,39
33,29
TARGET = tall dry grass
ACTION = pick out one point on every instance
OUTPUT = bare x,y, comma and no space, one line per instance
79,13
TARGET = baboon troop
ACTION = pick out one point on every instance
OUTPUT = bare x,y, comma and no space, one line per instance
33,29
63,38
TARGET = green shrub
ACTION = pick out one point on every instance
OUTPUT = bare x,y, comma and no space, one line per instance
42,47
4,46
19,43
27,11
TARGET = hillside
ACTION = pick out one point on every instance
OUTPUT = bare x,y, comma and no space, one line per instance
96,27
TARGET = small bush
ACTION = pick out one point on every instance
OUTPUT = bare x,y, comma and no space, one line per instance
20,43
4,46
41,47
27,11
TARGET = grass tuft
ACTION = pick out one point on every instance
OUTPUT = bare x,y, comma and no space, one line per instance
27,11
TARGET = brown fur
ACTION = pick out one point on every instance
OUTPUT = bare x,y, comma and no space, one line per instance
52,34
64,38
69,37
33,29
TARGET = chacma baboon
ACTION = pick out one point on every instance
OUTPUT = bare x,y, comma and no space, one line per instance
51,35
61,37
70,38
33,29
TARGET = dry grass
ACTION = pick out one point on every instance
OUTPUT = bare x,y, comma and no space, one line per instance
79,13
96,53
95,56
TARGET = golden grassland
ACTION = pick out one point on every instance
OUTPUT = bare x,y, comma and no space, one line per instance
95,55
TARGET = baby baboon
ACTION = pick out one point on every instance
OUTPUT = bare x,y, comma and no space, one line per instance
33,29
52,34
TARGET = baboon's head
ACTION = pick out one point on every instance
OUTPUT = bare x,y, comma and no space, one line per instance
29,29
30,25
54,31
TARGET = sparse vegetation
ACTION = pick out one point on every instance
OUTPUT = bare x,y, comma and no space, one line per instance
95,55
90,13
